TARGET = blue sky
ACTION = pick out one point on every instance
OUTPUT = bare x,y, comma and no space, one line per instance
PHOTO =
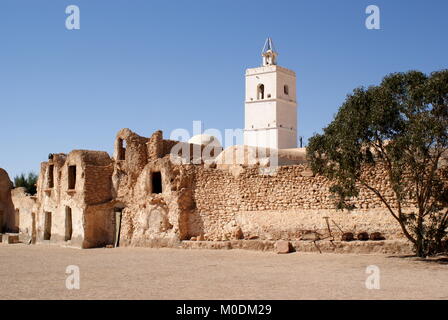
149,65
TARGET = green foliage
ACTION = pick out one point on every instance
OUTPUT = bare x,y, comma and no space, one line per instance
401,126
27,181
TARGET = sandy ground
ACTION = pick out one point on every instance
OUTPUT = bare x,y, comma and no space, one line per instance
39,272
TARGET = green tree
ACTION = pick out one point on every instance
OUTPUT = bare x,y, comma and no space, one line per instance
399,126
27,181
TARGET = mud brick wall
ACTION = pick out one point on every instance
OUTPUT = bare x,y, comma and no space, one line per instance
98,184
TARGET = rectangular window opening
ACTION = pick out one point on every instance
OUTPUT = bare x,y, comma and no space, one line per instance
156,182
51,176
71,177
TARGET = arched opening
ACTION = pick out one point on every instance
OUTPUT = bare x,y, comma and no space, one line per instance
286,89
260,91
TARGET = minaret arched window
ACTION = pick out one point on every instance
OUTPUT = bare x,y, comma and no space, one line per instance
286,89
260,91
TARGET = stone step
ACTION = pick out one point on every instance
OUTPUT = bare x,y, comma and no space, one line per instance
10,238
402,247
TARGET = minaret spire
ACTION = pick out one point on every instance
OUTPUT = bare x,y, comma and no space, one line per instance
268,53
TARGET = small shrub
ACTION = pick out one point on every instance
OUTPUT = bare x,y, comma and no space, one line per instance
26,181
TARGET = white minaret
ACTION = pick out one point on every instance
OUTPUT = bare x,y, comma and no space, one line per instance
270,106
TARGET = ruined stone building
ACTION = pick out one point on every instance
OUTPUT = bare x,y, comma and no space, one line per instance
158,192
8,215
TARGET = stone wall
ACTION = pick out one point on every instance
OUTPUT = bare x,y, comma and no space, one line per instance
136,152
156,219
27,207
161,203
285,205
238,202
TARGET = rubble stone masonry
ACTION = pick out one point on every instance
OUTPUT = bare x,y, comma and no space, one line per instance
283,205
140,197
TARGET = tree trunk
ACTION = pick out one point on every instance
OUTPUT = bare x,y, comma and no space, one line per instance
420,244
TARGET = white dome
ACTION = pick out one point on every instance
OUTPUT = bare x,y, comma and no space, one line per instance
249,155
242,155
205,139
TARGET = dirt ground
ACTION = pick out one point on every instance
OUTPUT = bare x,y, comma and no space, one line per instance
39,272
